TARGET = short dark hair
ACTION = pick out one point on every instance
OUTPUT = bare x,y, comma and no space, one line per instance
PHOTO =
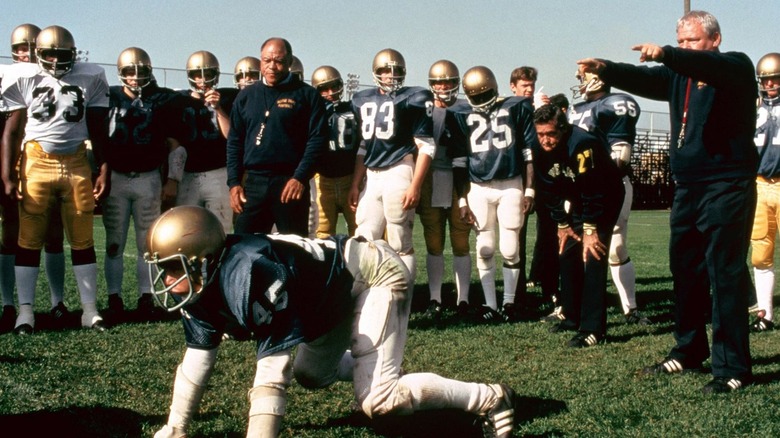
560,101
551,113
286,43
525,73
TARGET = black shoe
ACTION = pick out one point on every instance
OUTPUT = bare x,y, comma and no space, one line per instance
8,319
722,385
762,325
99,326
116,309
563,326
670,366
60,315
434,310
463,309
24,329
556,315
636,317
509,312
146,310
486,314
584,340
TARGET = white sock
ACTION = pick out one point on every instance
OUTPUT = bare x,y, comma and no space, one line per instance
765,285
488,279
7,278
54,265
86,278
462,267
624,277
511,276
435,265
431,391
26,281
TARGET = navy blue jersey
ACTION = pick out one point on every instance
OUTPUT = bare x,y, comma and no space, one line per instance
279,290
767,138
389,122
206,147
344,139
612,117
138,128
276,131
497,144
581,171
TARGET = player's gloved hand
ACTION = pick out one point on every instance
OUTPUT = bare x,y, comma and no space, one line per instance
170,432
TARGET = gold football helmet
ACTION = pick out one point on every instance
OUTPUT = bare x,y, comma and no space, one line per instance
444,71
185,242
327,77
202,64
589,83
394,61
55,49
246,72
134,64
23,36
481,88
768,67
296,68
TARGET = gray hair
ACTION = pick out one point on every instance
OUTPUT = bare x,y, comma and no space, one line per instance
707,21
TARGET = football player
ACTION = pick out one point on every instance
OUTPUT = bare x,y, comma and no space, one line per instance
207,122
438,198
573,167
296,68
334,175
613,117
344,301
246,72
65,103
767,141
142,135
395,122
23,50
496,136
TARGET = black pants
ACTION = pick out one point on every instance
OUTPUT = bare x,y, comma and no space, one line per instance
544,264
264,207
710,234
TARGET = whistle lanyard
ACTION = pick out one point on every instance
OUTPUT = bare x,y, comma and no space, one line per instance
681,138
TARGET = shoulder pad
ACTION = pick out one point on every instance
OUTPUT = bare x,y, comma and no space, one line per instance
417,96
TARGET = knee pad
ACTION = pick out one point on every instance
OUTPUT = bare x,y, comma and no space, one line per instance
267,400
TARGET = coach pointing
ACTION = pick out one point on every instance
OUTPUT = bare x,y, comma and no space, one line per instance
712,104
277,131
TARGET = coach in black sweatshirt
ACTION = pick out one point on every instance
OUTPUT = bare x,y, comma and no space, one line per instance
278,130
712,104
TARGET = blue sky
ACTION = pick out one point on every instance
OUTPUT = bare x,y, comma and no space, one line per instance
501,34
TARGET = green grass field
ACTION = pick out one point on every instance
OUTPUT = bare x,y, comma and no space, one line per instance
115,384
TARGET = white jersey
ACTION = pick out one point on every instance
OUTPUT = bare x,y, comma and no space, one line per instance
56,108
2,102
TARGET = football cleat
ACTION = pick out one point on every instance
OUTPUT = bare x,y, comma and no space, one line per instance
584,340
556,315
636,317
463,309
93,321
23,329
487,314
670,366
762,325
722,385
434,310
146,309
509,312
500,420
563,326
60,314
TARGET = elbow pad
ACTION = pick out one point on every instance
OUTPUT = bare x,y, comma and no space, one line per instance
621,153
